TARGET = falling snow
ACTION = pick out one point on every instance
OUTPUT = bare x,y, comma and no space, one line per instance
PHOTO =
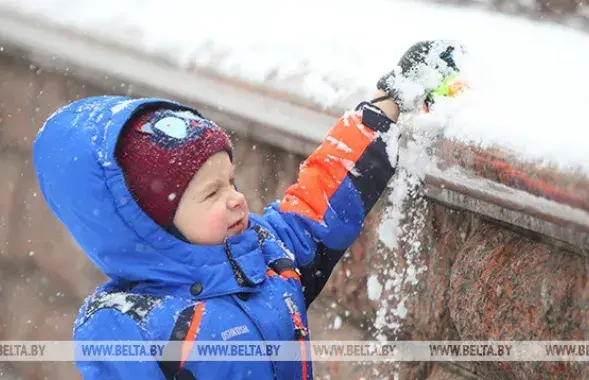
337,322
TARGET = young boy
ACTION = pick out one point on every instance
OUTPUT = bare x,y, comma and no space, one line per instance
145,187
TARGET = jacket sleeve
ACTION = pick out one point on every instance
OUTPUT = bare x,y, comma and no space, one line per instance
111,325
337,185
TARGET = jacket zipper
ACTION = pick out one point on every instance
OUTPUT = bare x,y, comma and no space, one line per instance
240,277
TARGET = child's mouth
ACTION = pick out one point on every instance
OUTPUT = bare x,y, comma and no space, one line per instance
237,225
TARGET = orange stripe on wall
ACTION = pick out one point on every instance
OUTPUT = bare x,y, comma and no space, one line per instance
192,331
323,172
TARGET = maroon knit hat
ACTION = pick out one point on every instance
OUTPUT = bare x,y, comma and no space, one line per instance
159,152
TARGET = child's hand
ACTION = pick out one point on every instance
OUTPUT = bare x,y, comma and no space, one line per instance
421,70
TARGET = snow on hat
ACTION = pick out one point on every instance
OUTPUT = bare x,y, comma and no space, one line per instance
159,152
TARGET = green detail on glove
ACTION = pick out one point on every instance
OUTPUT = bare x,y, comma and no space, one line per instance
450,87
445,87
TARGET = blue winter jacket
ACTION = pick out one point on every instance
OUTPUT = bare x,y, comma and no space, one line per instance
256,286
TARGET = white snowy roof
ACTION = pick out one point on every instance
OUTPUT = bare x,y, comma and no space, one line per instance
530,81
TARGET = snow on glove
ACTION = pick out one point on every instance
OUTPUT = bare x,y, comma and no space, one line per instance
423,68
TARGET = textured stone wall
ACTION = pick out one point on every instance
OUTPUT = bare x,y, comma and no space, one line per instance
43,276
455,276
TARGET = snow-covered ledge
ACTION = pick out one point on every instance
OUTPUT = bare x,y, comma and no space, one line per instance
271,116
269,119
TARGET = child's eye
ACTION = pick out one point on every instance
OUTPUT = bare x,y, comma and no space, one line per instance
212,194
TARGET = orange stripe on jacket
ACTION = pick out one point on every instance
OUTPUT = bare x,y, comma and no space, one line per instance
289,273
323,172
192,331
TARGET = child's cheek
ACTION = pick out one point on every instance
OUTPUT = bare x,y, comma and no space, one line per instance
217,222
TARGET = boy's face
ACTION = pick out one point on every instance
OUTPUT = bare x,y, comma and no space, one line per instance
211,209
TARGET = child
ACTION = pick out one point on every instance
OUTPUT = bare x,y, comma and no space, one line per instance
145,187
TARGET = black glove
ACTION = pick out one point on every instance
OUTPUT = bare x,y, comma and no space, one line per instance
421,70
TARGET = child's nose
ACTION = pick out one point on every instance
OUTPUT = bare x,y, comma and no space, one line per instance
236,200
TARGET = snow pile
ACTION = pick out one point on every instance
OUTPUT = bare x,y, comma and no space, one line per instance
530,78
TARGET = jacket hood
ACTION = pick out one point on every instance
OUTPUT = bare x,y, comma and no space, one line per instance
84,186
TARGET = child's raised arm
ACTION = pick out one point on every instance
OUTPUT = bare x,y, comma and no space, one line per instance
323,212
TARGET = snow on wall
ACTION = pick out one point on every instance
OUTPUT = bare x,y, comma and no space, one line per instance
529,79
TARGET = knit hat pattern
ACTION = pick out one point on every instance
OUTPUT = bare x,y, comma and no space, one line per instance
159,152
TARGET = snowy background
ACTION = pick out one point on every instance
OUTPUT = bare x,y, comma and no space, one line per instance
529,79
